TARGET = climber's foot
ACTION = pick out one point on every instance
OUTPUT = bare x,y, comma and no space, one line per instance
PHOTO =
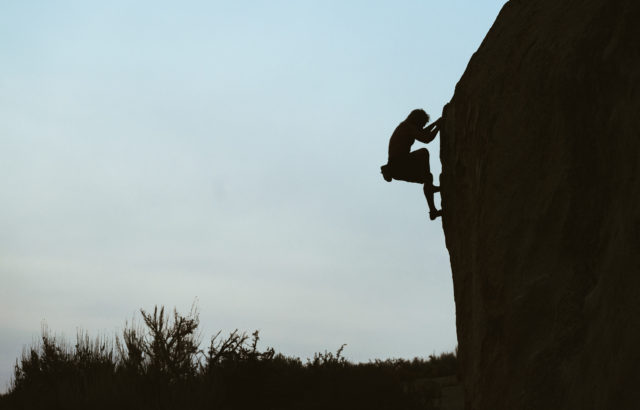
386,172
435,188
434,214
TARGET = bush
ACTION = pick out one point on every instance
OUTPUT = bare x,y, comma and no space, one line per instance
160,365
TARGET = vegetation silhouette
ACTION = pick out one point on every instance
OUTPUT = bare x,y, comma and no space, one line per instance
159,365
413,166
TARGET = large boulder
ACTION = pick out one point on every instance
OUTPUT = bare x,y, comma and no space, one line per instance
540,152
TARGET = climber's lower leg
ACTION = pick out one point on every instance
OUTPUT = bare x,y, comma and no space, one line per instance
428,193
428,177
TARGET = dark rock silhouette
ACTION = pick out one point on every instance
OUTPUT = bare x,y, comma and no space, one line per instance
540,151
413,166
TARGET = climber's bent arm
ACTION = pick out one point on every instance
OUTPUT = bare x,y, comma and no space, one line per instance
427,134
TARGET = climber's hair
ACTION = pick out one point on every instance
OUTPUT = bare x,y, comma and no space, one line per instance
418,117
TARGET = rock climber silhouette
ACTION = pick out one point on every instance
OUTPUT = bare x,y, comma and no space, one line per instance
413,166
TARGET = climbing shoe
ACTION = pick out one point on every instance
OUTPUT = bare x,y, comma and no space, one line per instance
434,214
386,172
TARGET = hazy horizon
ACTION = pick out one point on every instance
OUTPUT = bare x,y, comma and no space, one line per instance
154,153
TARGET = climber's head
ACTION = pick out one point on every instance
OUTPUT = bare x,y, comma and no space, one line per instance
418,117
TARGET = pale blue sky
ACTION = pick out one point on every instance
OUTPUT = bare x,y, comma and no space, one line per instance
152,152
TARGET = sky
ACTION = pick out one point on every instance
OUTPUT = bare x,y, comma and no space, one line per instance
227,153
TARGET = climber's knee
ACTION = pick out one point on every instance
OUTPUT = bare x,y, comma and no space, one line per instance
386,172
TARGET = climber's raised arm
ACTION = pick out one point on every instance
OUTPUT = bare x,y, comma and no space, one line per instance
427,134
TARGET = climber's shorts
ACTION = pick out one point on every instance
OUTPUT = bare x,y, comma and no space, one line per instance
412,168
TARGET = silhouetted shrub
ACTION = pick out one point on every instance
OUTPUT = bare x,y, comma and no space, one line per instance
160,365
165,348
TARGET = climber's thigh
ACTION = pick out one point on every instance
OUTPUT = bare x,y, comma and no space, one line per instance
414,167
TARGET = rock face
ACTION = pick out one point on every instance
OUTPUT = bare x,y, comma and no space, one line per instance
541,197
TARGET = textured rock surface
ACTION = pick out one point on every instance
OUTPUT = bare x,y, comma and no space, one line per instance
541,197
